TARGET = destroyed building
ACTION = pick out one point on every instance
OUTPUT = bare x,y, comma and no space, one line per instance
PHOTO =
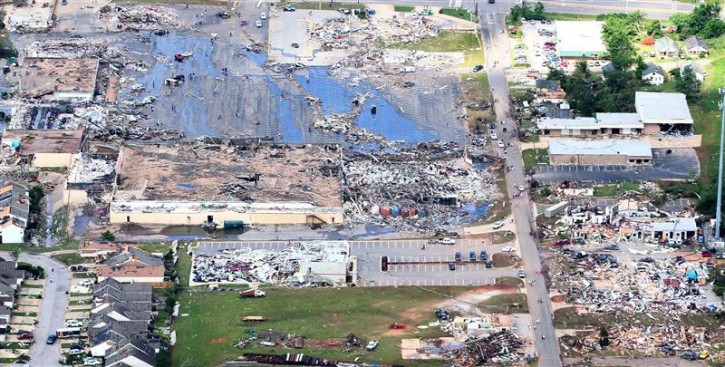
15,211
225,185
55,79
42,148
308,263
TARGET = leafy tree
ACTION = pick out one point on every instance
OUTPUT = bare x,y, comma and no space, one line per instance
653,28
539,10
686,82
714,28
621,51
637,20
108,236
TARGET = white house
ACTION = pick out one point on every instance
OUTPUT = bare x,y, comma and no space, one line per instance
653,74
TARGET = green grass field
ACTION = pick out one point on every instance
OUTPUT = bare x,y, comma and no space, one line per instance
69,245
614,189
323,5
459,13
207,335
445,42
534,156
505,303
71,259
404,8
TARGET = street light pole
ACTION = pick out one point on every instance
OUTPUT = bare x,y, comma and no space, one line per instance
718,213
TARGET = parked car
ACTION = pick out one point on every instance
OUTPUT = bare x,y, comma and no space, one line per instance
508,249
477,68
647,260
704,354
25,336
472,256
488,263
289,7
501,144
484,255
77,346
75,352
90,361
689,355
371,345
493,135
263,15
497,225
74,323
458,256
258,24
522,274
51,339
452,266
447,241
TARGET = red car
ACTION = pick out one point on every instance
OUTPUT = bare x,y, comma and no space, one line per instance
25,336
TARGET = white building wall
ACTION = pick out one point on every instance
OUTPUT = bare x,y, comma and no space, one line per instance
13,234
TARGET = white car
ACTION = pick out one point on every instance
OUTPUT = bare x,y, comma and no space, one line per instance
508,249
90,361
522,188
258,23
371,345
447,241
493,136
263,15
497,225
522,274
501,144
74,323
74,352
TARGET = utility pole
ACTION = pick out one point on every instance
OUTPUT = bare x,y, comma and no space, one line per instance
718,213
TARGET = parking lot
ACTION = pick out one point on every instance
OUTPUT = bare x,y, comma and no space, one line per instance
678,164
432,268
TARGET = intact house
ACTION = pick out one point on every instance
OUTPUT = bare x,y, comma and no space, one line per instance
43,148
653,74
599,152
10,278
666,48
696,69
14,212
696,46
132,265
121,322
602,124
673,229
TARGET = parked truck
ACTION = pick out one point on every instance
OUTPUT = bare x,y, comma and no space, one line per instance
252,293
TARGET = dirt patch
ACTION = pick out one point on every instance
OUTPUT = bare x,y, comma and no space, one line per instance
467,303
396,332
324,343
413,315
217,341
502,260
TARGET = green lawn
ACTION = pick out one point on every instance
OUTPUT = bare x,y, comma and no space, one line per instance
71,259
183,267
615,189
505,303
84,275
155,247
206,336
323,5
459,13
404,8
68,245
190,2
565,16
448,41
534,156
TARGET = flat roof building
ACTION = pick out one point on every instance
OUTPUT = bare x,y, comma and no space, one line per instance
579,39
44,148
600,152
57,79
663,111
219,184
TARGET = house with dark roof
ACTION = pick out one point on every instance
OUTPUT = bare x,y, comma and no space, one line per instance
133,353
653,74
111,290
696,46
696,69
666,48
133,265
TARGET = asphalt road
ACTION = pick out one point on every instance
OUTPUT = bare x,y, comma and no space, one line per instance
52,308
423,267
497,50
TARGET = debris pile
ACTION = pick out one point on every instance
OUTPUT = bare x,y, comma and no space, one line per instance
404,29
599,284
333,33
423,185
89,169
283,266
144,17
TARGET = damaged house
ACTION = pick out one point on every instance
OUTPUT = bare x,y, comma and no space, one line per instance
55,79
43,148
132,265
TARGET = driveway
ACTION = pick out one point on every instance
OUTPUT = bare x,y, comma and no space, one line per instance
52,307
